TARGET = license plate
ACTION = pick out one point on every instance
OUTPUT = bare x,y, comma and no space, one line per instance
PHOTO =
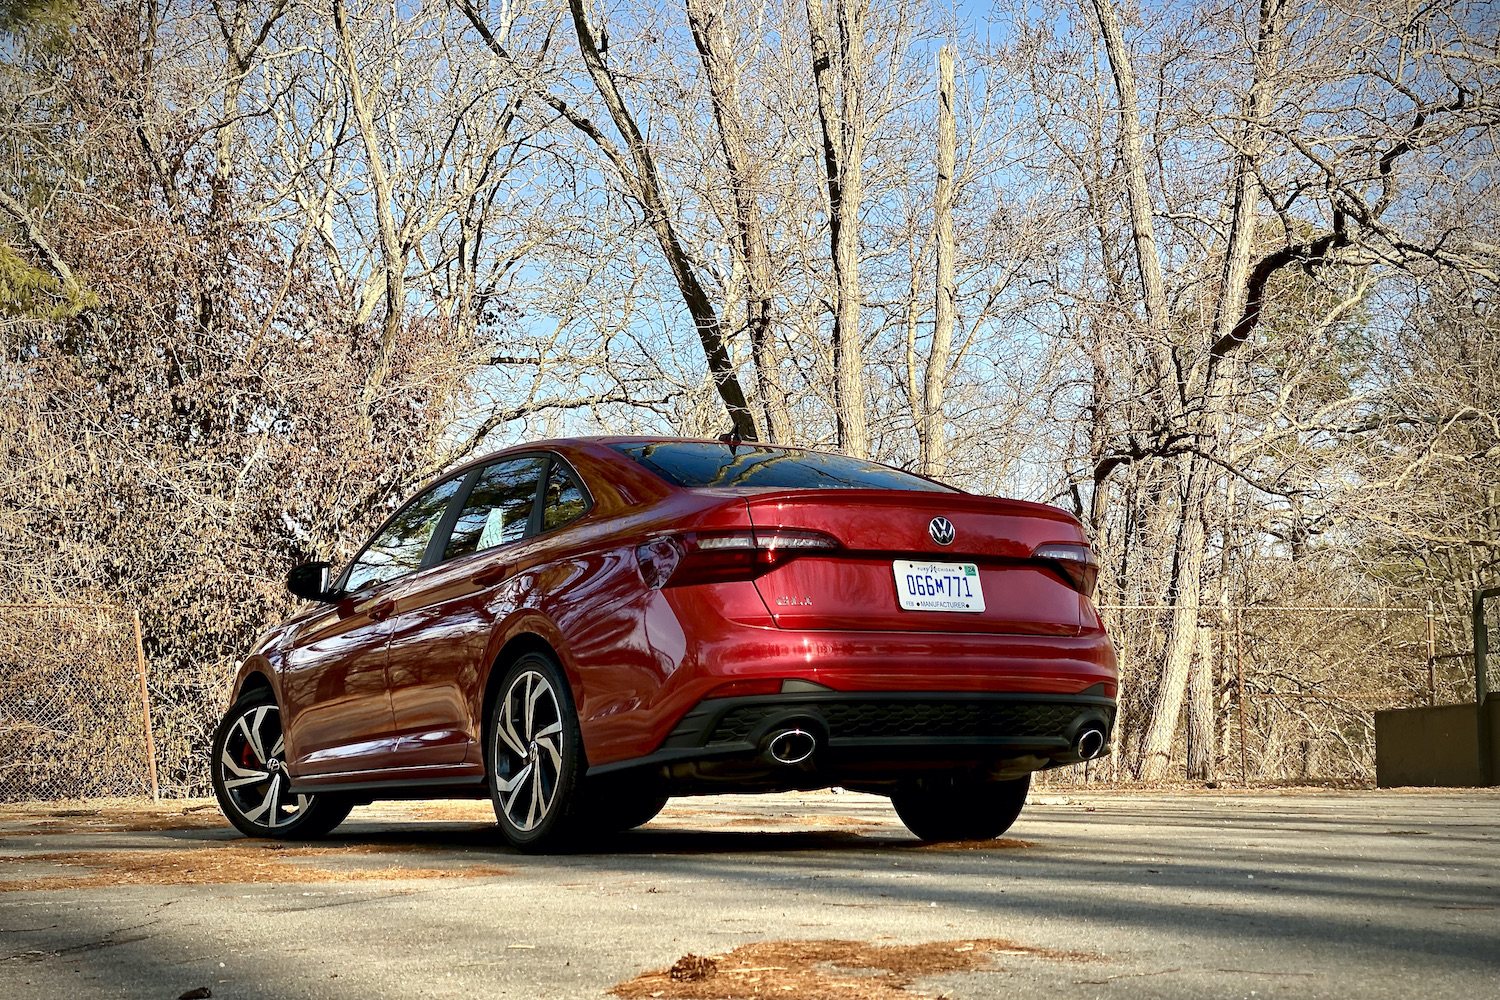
929,586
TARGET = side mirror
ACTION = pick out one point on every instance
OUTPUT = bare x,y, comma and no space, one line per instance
311,582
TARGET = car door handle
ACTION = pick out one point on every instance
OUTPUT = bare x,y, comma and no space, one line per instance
382,611
490,575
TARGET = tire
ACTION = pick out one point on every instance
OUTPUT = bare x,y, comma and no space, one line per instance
637,812
250,777
617,805
535,758
945,807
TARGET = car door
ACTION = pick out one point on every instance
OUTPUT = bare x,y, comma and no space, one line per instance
334,682
442,623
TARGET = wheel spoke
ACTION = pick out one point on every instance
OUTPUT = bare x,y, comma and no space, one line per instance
508,731
274,815
536,798
280,746
251,740
257,728
228,761
511,783
255,814
551,730
252,778
530,704
552,751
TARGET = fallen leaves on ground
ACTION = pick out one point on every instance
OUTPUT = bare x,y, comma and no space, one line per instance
822,970
111,815
221,863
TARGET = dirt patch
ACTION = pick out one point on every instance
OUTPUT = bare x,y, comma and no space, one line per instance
844,822
208,865
822,970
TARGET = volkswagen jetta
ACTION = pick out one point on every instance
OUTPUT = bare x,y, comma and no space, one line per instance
579,629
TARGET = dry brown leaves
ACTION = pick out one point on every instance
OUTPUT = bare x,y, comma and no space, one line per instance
811,970
110,815
212,864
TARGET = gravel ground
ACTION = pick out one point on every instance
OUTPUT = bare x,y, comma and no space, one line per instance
1117,894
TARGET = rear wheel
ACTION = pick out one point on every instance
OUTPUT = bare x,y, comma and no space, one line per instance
617,804
949,807
251,781
536,757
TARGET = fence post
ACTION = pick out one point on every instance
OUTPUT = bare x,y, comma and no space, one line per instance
140,659
1431,660
1239,651
1482,682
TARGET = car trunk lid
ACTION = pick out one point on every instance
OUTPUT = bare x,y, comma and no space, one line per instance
988,558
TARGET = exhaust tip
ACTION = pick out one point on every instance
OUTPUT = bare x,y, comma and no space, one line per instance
1090,743
791,746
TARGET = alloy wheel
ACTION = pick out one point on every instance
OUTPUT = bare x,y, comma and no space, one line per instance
528,751
254,775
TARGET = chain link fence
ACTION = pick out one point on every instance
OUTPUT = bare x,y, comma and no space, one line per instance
73,719
1293,690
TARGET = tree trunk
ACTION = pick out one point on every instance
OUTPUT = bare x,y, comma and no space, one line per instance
1201,743
1142,212
933,430
1217,376
1166,706
710,35
843,151
393,255
639,175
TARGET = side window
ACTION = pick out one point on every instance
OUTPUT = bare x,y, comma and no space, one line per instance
498,509
565,500
399,547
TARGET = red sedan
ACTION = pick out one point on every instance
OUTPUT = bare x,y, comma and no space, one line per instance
578,629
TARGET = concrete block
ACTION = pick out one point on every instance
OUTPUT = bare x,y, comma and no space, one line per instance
1436,746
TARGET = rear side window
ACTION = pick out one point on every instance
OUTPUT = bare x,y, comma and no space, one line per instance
705,463
565,499
498,508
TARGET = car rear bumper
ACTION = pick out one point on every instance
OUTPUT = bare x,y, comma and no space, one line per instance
877,733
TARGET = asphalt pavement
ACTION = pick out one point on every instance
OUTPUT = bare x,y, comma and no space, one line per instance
1202,895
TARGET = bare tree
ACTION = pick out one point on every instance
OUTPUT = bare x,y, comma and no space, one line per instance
840,85
931,426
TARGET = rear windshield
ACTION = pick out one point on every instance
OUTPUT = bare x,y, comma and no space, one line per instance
704,463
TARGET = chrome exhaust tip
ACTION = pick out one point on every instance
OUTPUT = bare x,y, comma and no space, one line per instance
1090,743
791,746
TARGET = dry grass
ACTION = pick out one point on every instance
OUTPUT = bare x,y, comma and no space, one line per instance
212,864
110,815
822,970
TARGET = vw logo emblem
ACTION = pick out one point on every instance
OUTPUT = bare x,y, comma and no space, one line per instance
941,530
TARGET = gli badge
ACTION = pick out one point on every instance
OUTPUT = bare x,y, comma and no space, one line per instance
941,530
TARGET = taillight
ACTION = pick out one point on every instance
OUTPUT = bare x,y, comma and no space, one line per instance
714,557
1077,562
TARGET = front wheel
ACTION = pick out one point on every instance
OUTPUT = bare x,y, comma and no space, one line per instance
535,757
947,807
251,781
